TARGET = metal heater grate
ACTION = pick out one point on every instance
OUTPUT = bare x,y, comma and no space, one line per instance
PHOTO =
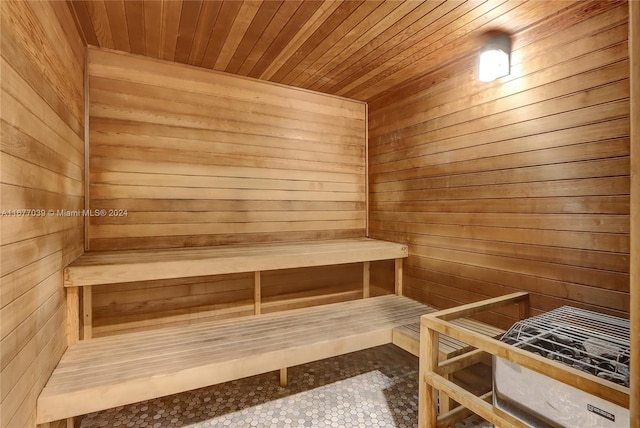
588,341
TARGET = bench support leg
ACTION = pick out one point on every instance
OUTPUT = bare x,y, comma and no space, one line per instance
366,277
73,316
69,423
257,291
398,281
427,398
87,313
284,381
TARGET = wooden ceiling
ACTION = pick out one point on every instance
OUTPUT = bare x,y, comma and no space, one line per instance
358,49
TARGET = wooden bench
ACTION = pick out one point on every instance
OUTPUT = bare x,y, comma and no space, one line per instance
111,371
102,373
95,269
106,372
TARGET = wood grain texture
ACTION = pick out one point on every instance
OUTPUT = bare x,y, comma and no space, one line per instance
42,61
142,289
115,267
173,135
492,185
634,53
358,49
200,158
129,368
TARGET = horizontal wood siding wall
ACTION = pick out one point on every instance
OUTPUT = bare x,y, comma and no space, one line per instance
42,126
138,306
518,184
199,158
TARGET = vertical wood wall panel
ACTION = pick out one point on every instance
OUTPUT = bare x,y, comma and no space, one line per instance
518,184
197,158
634,52
42,155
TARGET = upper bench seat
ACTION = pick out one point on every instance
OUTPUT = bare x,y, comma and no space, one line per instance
111,267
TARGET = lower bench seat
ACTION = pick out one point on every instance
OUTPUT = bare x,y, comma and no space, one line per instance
112,371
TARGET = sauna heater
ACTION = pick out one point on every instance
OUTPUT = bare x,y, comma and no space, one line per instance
585,340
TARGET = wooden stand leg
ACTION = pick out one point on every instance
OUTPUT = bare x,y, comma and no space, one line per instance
257,293
444,402
427,399
69,423
366,277
283,378
73,316
87,312
398,277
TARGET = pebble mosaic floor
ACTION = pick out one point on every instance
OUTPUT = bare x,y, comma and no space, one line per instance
374,388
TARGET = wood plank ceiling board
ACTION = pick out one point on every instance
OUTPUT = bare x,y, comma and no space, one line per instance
241,25
284,17
224,22
186,29
358,49
153,31
305,11
307,28
98,13
380,34
331,26
378,58
117,16
356,37
204,27
90,28
171,12
260,21
336,38
134,10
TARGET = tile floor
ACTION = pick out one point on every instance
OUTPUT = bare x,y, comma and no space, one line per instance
375,388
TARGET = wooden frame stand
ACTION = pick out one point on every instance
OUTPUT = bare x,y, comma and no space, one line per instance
433,375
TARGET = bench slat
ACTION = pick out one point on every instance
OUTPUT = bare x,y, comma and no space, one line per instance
144,265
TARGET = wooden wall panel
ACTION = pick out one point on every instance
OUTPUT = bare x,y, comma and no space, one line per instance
42,125
518,184
204,158
634,53
120,308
